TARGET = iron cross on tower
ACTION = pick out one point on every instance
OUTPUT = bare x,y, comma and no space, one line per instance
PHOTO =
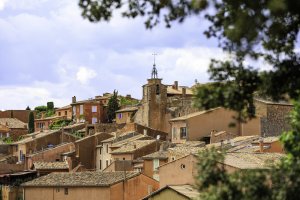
154,70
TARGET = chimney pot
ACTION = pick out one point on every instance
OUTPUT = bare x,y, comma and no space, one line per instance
74,99
176,85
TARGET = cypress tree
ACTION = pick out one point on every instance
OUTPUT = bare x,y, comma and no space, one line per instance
112,107
31,122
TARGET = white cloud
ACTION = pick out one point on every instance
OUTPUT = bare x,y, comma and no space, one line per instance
2,4
84,75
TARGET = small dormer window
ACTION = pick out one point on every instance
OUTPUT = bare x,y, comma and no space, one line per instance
157,89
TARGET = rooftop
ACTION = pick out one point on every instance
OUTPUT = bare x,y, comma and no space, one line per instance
64,107
185,190
185,117
172,90
128,109
245,160
33,136
132,146
80,179
50,165
157,154
13,123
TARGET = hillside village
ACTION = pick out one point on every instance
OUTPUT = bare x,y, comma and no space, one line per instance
149,151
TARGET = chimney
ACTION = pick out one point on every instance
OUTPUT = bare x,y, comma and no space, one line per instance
261,144
183,92
176,85
74,99
128,96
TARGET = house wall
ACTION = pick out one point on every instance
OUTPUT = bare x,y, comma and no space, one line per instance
22,115
123,156
126,117
86,149
88,115
64,112
176,131
251,127
103,155
148,169
135,188
8,168
16,133
74,193
181,171
10,193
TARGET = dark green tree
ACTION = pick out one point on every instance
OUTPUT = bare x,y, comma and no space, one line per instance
27,108
31,122
112,107
50,105
40,108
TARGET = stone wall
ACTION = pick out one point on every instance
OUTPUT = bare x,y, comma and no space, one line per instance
276,120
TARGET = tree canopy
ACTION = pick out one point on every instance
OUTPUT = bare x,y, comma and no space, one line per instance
252,32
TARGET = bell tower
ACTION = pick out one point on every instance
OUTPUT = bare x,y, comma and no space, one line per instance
154,101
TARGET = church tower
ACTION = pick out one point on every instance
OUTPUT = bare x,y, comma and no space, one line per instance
154,101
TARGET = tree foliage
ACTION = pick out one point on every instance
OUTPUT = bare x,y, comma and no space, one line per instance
50,105
31,122
112,107
251,31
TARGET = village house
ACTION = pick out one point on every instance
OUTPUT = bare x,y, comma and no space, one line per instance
39,141
104,149
13,128
174,192
91,111
126,115
86,149
22,115
45,123
49,154
90,185
135,149
65,111
44,168
184,170
200,125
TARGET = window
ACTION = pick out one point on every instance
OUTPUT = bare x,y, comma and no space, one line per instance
7,134
120,115
183,133
66,191
74,110
182,166
100,150
66,113
106,163
94,120
107,148
59,114
94,109
157,89
57,190
81,110
174,132
100,166
155,164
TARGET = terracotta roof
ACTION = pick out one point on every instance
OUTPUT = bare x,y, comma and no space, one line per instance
51,165
156,155
128,109
50,118
185,190
33,136
3,128
123,140
132,146
80,179
185,117
244,160
13,123
171,90
64,107
270,139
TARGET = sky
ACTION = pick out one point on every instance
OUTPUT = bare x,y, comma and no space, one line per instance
48,52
